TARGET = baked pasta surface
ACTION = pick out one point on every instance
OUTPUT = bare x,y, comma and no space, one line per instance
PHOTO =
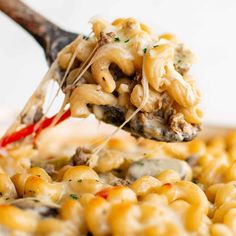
139,187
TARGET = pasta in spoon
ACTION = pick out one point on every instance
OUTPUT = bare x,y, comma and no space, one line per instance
127,76
136,77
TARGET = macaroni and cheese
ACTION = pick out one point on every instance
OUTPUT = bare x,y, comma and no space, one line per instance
139,187
128,76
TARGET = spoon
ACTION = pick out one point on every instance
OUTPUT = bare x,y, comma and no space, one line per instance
52,39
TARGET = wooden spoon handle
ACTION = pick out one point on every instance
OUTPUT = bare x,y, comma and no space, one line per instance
39,27
51,37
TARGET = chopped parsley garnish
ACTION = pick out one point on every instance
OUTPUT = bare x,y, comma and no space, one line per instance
155,46
74,196
79,181
85,37
117,39
145,50
126,41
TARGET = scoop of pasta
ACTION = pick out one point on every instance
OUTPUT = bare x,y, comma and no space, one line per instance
130,77
127,76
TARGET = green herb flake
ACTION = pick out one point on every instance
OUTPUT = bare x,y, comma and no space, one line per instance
155,46
79,181
117,39
85,37
126,41
145,50
73,196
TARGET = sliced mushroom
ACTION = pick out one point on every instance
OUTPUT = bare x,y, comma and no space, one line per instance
111,179
51,166
153,167
43,209
148,125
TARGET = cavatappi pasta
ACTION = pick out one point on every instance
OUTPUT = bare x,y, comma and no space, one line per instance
125,69
124,74
139,187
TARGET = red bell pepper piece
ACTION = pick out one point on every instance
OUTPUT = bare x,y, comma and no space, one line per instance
29,129
103,193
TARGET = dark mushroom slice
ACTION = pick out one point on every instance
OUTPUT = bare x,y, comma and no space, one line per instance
151,125
153,167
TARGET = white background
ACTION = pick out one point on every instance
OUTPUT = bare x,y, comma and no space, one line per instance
206,26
